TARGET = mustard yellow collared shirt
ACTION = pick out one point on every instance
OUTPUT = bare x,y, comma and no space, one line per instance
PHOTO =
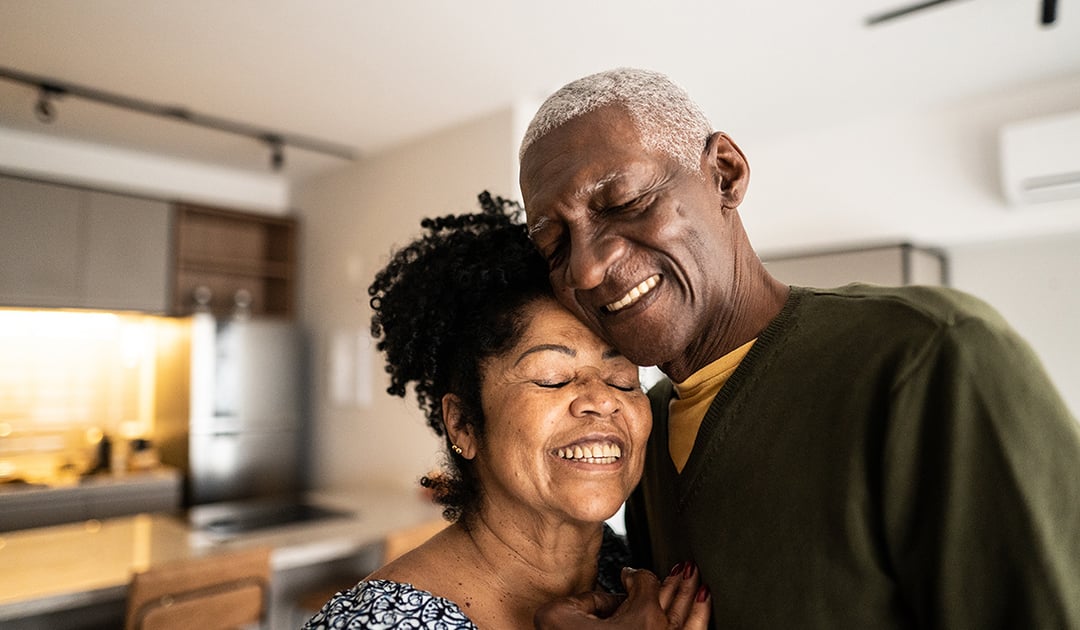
692,399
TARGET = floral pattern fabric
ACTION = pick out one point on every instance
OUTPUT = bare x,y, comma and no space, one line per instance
388,605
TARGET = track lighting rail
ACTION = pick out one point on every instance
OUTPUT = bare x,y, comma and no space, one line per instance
49,90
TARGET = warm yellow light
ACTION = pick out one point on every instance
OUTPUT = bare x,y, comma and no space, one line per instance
85,370
16,323
94,435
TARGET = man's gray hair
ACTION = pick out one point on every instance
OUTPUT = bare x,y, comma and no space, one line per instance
667,119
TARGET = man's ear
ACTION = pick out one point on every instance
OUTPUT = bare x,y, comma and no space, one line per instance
725,163
460,431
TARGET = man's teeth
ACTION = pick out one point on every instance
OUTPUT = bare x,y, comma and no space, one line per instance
633,295
595,454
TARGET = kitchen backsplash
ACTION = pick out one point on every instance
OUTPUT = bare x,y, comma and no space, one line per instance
69,377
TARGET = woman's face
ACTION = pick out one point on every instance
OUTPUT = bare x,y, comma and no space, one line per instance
566,422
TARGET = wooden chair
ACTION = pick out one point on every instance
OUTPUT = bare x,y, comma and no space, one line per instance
226,590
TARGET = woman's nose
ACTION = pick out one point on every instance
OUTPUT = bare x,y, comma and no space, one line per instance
594,398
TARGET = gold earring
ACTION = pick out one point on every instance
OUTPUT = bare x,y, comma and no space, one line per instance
455,448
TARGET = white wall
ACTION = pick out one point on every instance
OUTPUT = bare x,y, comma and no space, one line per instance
930,177
350,220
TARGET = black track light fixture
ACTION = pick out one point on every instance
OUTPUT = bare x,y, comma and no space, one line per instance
45,108
1049,12
277,151
50,89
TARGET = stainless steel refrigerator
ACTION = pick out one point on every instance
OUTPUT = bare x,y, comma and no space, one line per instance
246,432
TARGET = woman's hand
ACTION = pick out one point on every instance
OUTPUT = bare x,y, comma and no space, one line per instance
681,602
686,601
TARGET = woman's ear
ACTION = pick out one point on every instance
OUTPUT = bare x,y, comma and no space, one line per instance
724,161
458,428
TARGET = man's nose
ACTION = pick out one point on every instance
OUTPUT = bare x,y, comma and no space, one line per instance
590,259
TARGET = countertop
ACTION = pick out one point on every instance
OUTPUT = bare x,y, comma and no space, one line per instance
12,491
65,566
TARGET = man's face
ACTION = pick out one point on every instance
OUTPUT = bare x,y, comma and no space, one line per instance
638,246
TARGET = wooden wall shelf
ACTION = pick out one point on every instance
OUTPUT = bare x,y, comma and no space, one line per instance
235,256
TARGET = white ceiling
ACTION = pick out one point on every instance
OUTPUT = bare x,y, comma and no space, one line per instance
370,74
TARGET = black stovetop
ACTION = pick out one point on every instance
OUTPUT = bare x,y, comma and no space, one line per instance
238,518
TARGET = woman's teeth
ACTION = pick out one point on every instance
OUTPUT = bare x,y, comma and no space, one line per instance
633,295
596,454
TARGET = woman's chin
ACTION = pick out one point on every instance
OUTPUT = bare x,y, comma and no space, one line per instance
598,511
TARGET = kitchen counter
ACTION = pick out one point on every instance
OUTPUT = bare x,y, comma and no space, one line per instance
23,506
51,569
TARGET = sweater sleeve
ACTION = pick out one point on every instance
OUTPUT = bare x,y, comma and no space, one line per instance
981,485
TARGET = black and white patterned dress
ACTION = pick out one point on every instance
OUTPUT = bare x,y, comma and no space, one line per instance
389,605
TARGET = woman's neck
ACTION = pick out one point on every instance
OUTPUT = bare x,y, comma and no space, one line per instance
504,566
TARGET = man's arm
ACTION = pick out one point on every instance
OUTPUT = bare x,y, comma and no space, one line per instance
981,486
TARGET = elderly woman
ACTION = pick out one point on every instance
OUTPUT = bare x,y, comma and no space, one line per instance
545,427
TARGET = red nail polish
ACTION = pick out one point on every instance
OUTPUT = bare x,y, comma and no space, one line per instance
688,570
702,593
677,569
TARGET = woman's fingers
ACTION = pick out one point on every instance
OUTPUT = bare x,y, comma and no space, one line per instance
699,610
679,592
677,603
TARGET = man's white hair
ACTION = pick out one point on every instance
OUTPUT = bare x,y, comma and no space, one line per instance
667,119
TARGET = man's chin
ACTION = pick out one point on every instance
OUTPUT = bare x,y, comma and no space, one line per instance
640,350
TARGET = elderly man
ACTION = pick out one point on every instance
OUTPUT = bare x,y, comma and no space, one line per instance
861,457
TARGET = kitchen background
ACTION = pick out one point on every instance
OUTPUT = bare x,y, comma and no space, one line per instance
857,136
900,149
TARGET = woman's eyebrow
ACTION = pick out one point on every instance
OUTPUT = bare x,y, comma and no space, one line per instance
611,353
545,347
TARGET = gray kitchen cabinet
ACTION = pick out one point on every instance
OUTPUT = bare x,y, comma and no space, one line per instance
127,253
39,243
62,246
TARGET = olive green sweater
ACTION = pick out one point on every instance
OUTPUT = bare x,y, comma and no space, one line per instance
882,458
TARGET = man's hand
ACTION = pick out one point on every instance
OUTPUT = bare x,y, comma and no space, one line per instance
681,602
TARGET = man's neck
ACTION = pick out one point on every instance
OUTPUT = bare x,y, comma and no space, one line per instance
751,314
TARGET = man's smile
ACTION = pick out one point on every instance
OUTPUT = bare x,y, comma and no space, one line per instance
634,294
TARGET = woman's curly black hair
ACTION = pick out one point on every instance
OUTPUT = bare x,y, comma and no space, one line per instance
444,304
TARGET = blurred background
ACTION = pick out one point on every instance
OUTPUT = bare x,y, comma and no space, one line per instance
258,160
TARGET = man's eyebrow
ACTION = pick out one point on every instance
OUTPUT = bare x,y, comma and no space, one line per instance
547,347
588,191
538,225
593,188
611,353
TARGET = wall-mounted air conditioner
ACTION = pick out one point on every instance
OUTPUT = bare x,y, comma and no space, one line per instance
1040,159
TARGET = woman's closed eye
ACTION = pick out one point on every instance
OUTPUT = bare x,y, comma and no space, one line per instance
556,384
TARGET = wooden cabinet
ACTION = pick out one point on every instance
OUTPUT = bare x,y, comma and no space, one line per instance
63,246
233,261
